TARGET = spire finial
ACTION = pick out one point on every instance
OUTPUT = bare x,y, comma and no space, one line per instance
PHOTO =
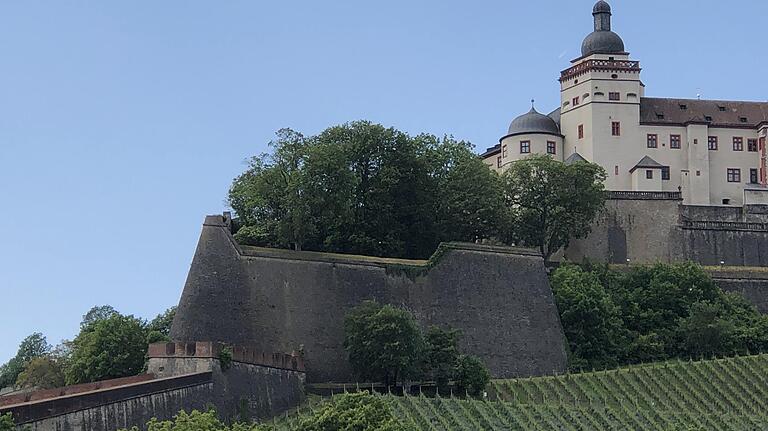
602,14
533,101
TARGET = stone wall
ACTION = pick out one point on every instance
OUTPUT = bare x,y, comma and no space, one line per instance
663,230
188,378
752,283
279,300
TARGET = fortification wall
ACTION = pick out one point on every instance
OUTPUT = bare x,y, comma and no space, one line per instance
663,230
252,386
277,300
752,283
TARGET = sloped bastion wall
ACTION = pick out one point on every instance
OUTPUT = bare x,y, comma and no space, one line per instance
280,300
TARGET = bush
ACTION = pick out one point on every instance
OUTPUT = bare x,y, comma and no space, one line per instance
471,376
359,412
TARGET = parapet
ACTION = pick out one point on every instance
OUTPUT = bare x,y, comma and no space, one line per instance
212,350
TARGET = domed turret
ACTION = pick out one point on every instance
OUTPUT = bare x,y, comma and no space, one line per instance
533,122
602,40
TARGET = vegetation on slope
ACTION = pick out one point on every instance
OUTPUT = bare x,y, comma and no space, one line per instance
652,313
722,394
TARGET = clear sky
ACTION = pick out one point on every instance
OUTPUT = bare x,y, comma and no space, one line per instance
122,123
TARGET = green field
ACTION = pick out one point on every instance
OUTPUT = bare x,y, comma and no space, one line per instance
721,394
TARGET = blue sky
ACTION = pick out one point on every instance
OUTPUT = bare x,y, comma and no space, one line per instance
123,123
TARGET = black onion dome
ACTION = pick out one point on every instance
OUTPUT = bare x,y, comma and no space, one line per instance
533,122
601,7
602,42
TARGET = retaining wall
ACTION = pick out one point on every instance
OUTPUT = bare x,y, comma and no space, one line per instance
279,300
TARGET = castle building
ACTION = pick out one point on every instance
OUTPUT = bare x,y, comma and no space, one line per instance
713,152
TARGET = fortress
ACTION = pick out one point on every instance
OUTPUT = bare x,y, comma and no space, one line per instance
686,181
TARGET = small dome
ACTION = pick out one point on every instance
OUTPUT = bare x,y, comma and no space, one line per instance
601,7
533,122
602,42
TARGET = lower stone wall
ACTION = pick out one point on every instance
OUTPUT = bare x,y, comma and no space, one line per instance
751,283
241,391
115,408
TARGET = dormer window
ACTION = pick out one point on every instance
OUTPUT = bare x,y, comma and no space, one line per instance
743,119
721,108
683,107
708,118
659,116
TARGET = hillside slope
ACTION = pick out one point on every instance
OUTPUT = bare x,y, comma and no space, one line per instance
722,394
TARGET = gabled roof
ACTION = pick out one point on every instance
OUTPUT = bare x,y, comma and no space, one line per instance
573,158
647,163
720,113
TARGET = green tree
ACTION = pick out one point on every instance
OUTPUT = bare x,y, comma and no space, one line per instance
441,354
551,202
383,342
472,376
30,348
43,372
366,189
108,348
99,312
6,423
267,197
590,319
159,328
469,204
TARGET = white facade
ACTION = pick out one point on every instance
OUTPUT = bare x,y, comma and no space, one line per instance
713,152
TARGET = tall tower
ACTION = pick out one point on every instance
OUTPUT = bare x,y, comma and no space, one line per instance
600,100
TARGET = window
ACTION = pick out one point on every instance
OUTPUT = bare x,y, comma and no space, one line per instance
575,101
581,131
708,118
649,174
659,116
616,128
665,173
726,201
752,145
551,147
504,151
525,147
734,175
712,143
738,144
674,142
616,170
498,162
721,108
753,175
743,119
683,107
614,95
653,140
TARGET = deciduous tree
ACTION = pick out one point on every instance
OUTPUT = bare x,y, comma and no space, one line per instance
551,202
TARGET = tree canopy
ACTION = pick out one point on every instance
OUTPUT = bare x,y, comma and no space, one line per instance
551,202
652,313
34,346
363,188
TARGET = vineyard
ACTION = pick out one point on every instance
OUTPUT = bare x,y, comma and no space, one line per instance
721,394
